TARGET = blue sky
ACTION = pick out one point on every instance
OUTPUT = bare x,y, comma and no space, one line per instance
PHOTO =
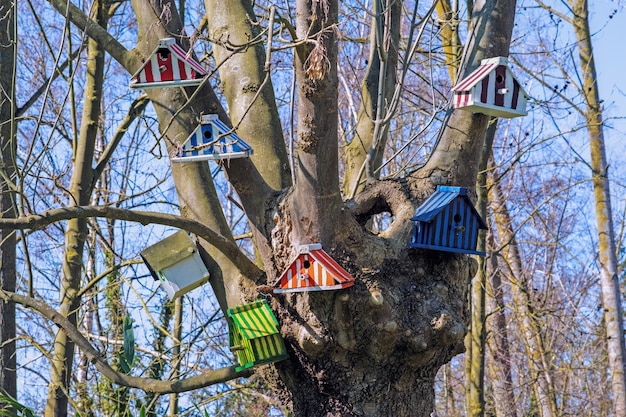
610,50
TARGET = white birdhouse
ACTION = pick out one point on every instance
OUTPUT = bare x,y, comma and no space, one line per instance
176,263
491,89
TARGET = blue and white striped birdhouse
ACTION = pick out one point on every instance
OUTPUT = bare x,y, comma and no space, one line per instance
212,140
447,221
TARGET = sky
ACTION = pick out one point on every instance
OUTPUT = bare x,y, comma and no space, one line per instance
610,50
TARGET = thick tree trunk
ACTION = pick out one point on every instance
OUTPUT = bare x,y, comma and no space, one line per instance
81,185
374,350
609,277
8,362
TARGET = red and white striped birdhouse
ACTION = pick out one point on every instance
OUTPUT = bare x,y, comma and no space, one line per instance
313,270
491,89
168,66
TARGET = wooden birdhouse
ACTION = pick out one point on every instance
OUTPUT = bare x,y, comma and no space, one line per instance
212,140
491,89
313,270
447,221
176,263
254,335
168,66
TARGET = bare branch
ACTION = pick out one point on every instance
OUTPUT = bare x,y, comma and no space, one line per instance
205,379
224,245
96,32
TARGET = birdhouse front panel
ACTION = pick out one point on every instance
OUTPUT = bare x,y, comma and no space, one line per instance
255,335
176,263
212,140
169,65
447,221
313,270
186,275
491,89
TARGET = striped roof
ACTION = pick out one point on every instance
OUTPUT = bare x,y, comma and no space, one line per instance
437,201
254,320
212,140
313,270
486,66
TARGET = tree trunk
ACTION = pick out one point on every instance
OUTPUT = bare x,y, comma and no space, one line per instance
176,358
81,185
8,147
609,277
477,334
502,373
538,361
364,153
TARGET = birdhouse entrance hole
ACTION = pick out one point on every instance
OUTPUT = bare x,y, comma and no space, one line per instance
163,53
207,133
457,218
499,78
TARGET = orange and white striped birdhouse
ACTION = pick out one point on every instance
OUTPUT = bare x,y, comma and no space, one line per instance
313,270
168,66
491,89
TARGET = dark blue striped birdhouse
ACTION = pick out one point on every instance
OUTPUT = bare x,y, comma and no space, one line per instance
447,221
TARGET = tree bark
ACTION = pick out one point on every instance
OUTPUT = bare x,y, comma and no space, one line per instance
8,363
607,250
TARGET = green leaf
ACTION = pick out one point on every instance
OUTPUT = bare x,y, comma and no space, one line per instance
129,342
20,409
124,366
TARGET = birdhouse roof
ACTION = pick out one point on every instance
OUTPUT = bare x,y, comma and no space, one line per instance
253,320
183,66
440,199
486,66
220,143
327,273
168,251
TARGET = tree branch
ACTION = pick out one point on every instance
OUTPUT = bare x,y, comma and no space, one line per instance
126,58
224,245
136,108
150,385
